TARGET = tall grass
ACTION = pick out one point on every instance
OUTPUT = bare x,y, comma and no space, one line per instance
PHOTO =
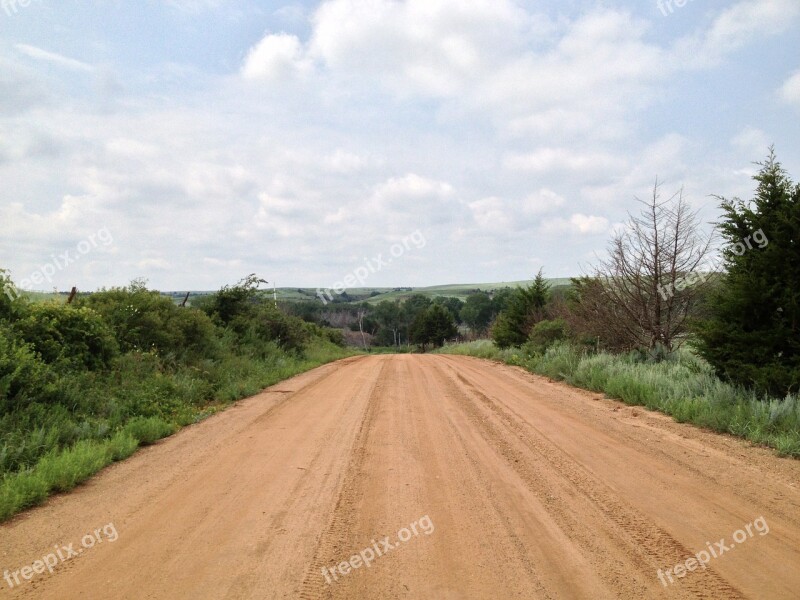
47,449
684,387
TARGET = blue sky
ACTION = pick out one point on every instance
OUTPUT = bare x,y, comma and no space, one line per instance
214,138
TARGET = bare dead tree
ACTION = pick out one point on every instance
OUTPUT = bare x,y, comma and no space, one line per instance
362,312
650,282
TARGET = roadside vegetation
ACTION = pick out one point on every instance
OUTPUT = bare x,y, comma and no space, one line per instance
85,384
719,348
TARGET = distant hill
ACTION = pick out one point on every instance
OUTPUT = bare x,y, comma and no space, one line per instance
371,295
375,295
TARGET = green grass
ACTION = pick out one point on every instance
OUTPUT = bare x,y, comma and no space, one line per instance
684,387
160,404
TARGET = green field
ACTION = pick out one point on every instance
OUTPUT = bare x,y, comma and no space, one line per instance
377,294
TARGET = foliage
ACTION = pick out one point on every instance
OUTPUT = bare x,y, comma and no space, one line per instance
24,377
453,306
235,302
752,336
69,336
434,326
478,311
544,334
11,302
526,307
144,320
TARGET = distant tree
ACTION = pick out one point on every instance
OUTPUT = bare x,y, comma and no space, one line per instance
433,326
500,300
361,315
526,307
453,305
477,312
389,316
413,306
753,334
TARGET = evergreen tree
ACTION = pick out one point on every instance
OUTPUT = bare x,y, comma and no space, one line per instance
433,326
752,336
525,309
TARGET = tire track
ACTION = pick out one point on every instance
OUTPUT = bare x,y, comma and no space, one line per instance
333,542
644,541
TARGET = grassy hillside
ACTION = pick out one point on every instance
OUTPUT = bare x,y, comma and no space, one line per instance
378,294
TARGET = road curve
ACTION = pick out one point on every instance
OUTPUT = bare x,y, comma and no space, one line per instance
454,478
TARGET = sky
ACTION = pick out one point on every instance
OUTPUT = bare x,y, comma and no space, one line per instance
192,142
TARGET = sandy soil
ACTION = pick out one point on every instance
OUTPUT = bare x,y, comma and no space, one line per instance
489,482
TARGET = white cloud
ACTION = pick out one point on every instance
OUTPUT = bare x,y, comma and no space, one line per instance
565,159
342,161
737,26
577,224
542,201
417,46
492,214
790,91
53,58
276,56
154,264
752,141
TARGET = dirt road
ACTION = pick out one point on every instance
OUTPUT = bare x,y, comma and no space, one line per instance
489,482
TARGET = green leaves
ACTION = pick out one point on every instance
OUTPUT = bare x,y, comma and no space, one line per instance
526,307
752,336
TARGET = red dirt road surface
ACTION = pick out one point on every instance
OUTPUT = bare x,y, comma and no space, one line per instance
454,478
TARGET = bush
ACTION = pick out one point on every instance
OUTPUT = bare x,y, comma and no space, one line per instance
69,336
144,320
24,377
544,334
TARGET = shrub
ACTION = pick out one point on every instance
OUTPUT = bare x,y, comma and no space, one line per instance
24,377
68,335
144,320
544,334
